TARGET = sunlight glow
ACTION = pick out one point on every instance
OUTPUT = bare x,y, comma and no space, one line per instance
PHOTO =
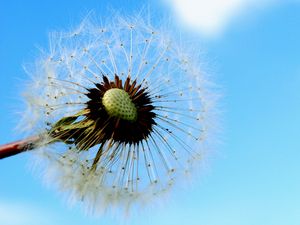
212,17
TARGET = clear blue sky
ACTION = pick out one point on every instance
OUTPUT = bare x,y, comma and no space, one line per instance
253,177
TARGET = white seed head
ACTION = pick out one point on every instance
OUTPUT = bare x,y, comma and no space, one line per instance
117,142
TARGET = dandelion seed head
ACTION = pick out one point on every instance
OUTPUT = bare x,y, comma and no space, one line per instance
125,113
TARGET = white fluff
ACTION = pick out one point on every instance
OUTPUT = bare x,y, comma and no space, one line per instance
183,96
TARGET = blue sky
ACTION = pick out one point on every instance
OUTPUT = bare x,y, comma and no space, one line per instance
252,50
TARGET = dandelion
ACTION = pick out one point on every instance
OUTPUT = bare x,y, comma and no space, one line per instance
122,113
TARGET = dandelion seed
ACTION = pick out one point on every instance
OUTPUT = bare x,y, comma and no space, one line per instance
123,110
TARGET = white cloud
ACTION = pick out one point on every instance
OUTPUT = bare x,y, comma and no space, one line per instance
20,214
211,17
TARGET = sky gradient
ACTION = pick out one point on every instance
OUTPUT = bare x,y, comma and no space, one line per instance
252,177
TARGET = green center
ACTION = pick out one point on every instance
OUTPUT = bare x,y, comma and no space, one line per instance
117,103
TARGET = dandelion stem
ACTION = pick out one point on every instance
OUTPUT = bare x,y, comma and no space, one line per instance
17,147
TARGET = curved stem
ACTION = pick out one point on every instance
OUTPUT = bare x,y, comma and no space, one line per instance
17,147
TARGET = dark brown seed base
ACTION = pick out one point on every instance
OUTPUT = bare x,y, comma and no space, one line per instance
97,127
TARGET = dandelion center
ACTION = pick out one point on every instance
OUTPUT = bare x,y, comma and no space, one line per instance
124,113
117,103
114,113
